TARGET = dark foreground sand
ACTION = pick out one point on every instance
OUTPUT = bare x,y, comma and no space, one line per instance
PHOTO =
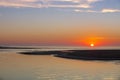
81,54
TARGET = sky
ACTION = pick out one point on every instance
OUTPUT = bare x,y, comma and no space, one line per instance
60,22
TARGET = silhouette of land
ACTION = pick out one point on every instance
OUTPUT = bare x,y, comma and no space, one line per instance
41,52
92,54
81,54
7,47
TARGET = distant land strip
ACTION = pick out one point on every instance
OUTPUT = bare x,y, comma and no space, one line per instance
6,47
80,54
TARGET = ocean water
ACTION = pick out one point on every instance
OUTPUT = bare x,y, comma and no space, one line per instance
15,66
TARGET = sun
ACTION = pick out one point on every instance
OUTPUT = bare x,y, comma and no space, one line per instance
92,45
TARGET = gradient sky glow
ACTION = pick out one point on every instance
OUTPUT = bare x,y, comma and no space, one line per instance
60,22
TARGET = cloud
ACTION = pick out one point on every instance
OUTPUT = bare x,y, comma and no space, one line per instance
75,1
77,5
92,1
19,3
48,3
71,6
110,10
102,11
86,11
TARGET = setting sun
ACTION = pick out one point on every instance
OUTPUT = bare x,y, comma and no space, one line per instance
91,44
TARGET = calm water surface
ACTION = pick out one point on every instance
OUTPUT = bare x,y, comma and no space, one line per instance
14,66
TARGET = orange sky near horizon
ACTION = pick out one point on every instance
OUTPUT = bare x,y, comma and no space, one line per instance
72,36
58,39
